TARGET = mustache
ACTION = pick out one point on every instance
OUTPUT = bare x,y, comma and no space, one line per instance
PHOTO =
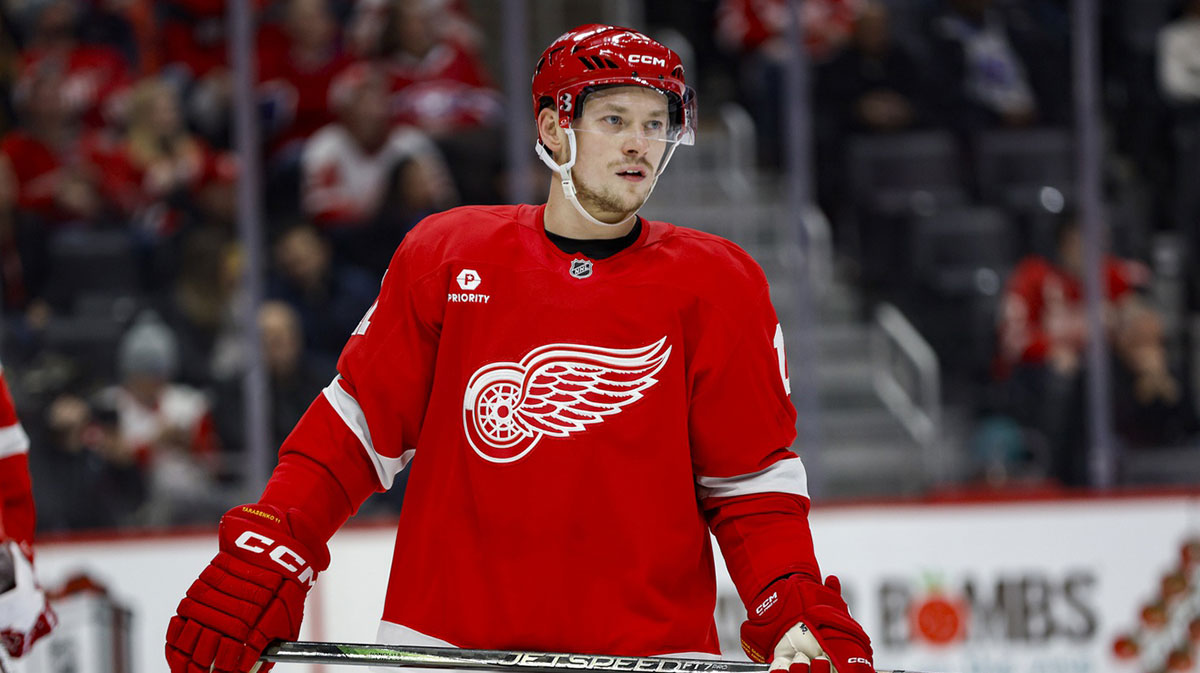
639,162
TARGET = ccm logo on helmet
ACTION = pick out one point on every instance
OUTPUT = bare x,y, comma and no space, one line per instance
647,59
281,554
858,660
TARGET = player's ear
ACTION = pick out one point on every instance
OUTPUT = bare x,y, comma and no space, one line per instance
553,137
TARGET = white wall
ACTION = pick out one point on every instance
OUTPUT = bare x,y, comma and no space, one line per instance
1053,582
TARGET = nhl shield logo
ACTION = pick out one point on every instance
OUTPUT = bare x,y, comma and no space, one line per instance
581,268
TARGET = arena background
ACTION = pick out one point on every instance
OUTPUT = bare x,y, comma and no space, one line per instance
188,215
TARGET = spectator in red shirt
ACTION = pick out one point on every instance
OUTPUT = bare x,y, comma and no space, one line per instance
45,174
437,83
1043,319
440,86
1043,336
96,78
295,81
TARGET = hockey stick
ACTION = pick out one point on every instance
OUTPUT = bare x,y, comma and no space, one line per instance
351,654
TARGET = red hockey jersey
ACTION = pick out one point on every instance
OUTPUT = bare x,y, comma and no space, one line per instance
17,516
574,426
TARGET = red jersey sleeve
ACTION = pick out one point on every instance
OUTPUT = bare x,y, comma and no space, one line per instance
362,430
751,486
16,492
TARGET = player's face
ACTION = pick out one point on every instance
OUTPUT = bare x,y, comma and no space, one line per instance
622,138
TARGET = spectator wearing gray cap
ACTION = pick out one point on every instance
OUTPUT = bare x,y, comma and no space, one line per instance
164,426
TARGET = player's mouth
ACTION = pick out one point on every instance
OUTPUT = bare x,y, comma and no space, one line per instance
632,174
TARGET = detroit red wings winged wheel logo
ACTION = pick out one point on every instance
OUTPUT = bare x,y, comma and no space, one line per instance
554,390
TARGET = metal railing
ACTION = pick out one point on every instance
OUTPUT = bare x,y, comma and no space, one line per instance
738,175
907,377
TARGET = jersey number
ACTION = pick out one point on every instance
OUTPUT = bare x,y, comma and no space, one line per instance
782,355
366,320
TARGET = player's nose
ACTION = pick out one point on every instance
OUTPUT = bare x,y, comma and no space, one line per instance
636,145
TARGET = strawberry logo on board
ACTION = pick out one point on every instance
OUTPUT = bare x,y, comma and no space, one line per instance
555,390
939,620
937,617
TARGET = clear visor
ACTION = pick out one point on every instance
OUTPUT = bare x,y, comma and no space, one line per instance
633,112
654,149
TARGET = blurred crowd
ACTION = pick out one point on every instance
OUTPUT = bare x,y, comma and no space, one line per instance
121,272
944,134
119,259
944,130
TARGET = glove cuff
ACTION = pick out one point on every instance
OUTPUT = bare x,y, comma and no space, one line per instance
784,603
268,537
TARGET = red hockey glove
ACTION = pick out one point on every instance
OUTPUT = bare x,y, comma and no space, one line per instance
250,594
799,625
25,614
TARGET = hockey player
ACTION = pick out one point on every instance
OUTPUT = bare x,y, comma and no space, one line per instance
25,614
587,394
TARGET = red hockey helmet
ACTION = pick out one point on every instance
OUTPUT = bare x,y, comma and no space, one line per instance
595,56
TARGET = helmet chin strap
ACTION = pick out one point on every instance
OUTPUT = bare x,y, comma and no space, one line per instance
568,183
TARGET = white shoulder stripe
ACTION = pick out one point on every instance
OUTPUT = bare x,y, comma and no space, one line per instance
785,476
386,467
13,441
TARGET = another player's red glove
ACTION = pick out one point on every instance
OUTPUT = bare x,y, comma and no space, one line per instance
25,614
798,624
251,593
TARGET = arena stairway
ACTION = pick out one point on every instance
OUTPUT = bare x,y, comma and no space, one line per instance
863,449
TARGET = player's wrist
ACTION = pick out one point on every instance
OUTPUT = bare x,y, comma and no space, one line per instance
272,539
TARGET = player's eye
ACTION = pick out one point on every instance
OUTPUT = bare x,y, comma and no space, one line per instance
612,120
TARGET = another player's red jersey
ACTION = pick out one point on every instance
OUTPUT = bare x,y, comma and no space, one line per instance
573,423
16,495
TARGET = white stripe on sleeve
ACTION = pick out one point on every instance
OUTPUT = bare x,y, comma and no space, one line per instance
784,476
13,441
386,467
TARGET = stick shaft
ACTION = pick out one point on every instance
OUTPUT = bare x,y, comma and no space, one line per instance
404,656
491,660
